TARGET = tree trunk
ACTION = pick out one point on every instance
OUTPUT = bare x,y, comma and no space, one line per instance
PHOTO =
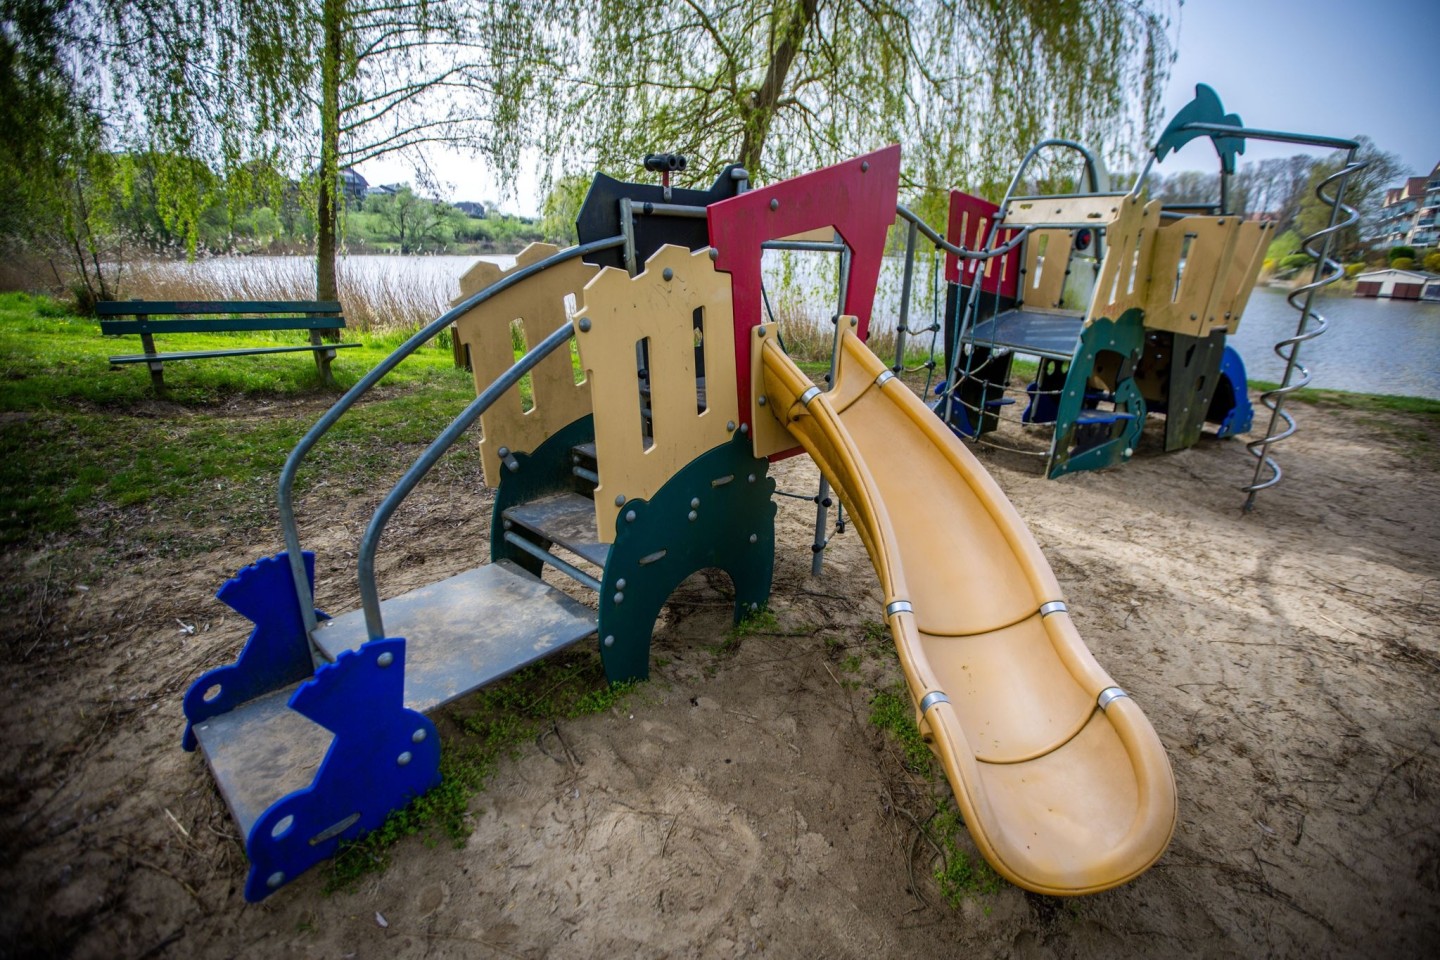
326,204
760,112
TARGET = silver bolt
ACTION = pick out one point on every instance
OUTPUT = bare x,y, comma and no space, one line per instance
620,584
506,524
668,274
404,759
864,166
418,736
275,879
619,499
503,452
584,324
750,479
695,503
754,538
714,254
762,332
619,597
385,659
745,428
610,641
774,204
693,516
730,425
854,321
761,401
629,516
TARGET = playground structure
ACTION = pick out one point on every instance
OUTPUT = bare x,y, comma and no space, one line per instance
1125,306
654,465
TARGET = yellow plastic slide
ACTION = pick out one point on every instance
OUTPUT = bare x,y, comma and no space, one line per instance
1061,780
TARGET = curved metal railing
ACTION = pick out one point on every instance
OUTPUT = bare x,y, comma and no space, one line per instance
422,336
1311,325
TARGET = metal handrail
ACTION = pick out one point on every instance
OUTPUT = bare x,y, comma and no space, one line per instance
369,543
327,420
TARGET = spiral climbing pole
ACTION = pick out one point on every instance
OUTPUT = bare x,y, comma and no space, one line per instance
1311,325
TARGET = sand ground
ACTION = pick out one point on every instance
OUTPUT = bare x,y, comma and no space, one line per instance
742,804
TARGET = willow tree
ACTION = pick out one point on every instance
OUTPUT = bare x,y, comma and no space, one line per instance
785,85
314,86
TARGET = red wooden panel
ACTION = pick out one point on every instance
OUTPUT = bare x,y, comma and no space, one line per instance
1367,288
969,227
856,197
1407,291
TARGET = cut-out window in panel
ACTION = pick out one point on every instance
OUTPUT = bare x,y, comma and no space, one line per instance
697,324
1042,243
520,345
642,386
1180,267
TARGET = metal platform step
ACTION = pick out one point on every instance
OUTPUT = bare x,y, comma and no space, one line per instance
1052,335
567,519
460,633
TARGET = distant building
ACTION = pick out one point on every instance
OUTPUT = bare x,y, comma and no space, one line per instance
1408,215
386,189
353,185
1398,284
471,209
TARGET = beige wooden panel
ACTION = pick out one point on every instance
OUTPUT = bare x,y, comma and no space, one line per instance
1125,272
538,303
619,311
1245,262
1098,209
767,428
1189,306
1047,257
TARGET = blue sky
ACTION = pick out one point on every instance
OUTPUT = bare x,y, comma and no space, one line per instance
1311,66
1323,66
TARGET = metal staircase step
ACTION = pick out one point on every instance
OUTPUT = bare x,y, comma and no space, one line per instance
460,634
567,519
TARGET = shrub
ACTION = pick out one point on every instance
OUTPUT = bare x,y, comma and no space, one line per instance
1397,253
1295,261
1432,261
1353,268
1403,263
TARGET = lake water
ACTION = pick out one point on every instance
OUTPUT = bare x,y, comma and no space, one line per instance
1371,346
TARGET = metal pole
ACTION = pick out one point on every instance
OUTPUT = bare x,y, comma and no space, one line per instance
823,494
903,327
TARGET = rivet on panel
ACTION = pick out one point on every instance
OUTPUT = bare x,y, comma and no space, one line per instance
610,641
584,324
668,274
629,516
695,503
418,736
619,499
404,759
774,204
619,597
693,516
385,659
620,584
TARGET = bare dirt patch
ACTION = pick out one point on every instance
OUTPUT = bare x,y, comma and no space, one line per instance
741,803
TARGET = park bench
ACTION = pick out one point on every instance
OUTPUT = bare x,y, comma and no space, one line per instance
151,317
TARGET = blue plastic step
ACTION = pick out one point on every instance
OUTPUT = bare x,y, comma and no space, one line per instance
1102,416
461,634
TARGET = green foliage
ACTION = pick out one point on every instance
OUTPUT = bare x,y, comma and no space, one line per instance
783,86
1432,261
1294,261
892,711
561,207
1352,269
1363,191
1283,245
959,875
1396,253
1402,263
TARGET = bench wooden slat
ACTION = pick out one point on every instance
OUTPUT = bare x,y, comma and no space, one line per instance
126,308
203,354
220,325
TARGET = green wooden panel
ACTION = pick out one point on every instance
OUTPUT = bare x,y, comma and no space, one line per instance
127,308
112,328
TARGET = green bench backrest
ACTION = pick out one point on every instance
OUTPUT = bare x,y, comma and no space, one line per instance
272,315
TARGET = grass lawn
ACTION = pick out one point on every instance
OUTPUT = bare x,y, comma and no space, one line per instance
80,438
